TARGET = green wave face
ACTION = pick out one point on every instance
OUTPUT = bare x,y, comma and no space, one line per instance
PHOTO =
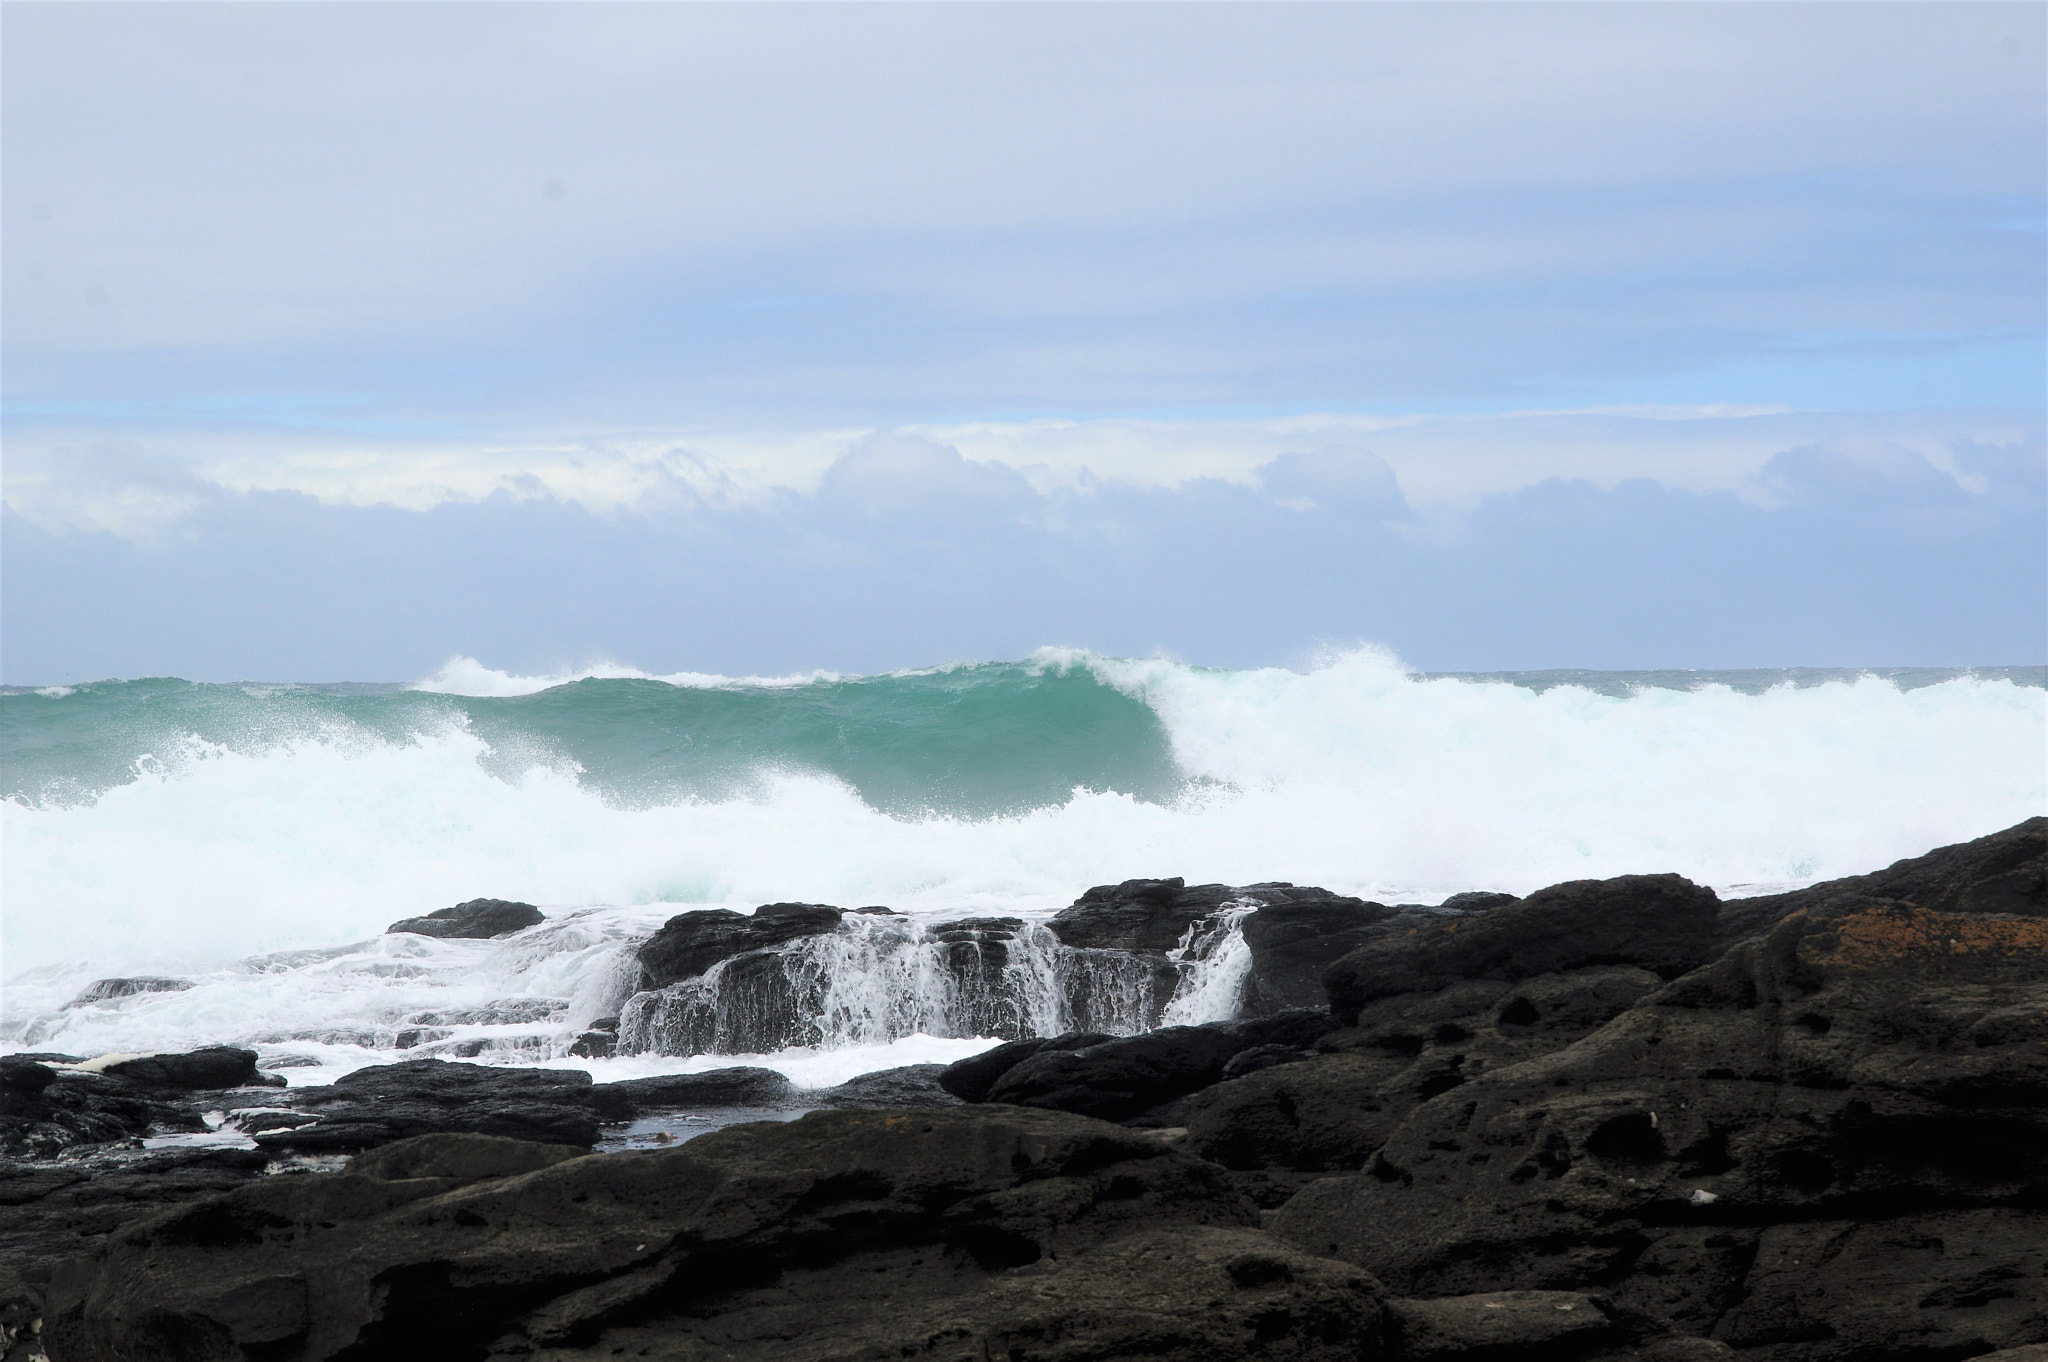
976,741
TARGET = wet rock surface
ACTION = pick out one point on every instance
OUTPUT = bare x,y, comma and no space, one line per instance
107,990
688,944
477,919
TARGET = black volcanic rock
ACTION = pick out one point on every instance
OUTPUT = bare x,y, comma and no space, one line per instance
106,990
1865,1085
1333,1110
214,1066
1120,1078
1137,915
1293,941
478,919
739,1086
970,1079
690,943
2001,873
1662,923
25,1076
388,1102
1293,933
914,1086
972,1232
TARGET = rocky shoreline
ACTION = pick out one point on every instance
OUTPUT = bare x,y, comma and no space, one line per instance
1614,1119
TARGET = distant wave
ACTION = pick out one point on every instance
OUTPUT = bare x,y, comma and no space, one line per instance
150,821
467,676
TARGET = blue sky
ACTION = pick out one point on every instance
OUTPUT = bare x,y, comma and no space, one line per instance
339,339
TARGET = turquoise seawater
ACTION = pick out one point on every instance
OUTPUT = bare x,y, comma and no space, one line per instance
151,821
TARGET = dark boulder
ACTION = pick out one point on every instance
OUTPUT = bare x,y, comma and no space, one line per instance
976,1231
1476,899
600,1040
214,1066
1293,933
915,1086
1122,1078
1293,941
1864,1085
688,944
378,1105
1662,923
1137,915
478,918
739,1086
25,1075
106,990
970,1079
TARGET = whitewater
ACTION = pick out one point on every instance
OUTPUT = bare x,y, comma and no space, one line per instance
256,839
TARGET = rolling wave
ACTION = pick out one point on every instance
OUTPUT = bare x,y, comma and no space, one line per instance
162,823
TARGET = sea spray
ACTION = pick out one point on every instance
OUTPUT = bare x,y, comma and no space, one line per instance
164,826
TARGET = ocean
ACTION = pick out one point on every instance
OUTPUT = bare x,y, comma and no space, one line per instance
254,840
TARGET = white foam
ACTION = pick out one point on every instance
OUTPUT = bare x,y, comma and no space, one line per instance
1356,776
467,676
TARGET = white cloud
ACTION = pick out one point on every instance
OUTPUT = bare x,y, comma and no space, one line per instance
1437,465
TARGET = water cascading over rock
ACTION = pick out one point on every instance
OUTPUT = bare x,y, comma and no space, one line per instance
1121,960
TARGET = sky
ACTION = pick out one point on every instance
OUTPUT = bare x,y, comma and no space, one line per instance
338,340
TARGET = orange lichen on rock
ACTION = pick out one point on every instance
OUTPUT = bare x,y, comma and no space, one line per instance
1887,938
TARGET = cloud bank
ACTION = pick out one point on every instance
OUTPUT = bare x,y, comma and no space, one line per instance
905,553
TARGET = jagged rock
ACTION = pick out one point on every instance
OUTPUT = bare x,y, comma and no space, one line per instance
1293,941
1501,1326
739,1086
1844,1082
1137,915
376,1106
1662,923
1293,933
213,1066
73,1109
599,1040
915,1086
688,944
976,1231
1121,1078
25,1076
476,919
106,990
1332,1111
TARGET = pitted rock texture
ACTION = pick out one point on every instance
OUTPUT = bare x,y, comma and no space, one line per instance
969,1233
1864,1085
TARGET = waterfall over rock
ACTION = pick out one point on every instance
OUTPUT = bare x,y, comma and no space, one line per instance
1122,960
